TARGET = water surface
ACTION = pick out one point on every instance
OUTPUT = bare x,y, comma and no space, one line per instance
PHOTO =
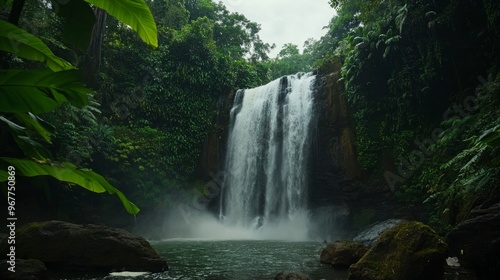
197,259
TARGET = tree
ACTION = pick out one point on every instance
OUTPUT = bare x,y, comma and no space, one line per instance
288,50
290,61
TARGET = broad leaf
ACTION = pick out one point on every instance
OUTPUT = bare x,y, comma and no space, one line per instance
40,91
13,126
30,147
21,43
134,13
3,175
68,172
79,19
37,124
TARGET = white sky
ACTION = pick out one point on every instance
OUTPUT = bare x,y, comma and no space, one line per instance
285,21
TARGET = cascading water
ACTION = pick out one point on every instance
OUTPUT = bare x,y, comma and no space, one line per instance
268,154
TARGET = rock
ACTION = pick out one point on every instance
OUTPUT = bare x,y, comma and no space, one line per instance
24,270
343,253
410,251
476,242
290,276
457,273
67,246
373,232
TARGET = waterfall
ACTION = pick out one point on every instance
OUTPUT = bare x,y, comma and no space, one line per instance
268,153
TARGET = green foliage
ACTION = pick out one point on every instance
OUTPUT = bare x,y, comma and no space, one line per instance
40,91
28,92
404,63
466,157
290,60
67,172
24,45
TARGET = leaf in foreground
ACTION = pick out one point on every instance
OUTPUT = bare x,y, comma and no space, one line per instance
70,173
134,13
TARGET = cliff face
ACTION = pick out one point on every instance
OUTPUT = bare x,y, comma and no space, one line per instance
334,163
212,156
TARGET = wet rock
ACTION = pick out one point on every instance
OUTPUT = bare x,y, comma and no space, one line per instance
24,270
458,273
343,253
67,246
476,241
290,276
373,232
410,251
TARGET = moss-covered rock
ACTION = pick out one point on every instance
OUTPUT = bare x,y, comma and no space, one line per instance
343,253
410,251
67,246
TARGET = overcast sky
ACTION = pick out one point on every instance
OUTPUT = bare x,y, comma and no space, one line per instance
285,21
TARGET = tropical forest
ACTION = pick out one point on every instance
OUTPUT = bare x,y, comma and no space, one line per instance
168,140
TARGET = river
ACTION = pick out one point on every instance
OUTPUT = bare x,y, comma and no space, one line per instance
196,259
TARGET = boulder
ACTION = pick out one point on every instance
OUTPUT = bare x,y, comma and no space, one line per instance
476,241
24,270
343,253
410,251
290,276
66,246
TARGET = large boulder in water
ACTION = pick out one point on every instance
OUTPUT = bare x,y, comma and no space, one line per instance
290,276
476,241
67,246
343,253
410,251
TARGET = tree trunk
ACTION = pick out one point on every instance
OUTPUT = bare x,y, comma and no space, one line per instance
94,51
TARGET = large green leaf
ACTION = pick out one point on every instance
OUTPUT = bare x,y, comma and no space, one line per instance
30,147
79,20
70,173
40,91
35,123
134,13
21,43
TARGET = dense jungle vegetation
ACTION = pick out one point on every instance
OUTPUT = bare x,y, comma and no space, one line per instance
421,78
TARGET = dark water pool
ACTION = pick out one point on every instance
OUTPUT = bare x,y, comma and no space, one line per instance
233,260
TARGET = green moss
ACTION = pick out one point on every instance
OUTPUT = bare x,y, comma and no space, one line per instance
30,227
408,251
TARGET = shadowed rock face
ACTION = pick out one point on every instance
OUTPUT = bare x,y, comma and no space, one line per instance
476,241
67,246
24,270
410,251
